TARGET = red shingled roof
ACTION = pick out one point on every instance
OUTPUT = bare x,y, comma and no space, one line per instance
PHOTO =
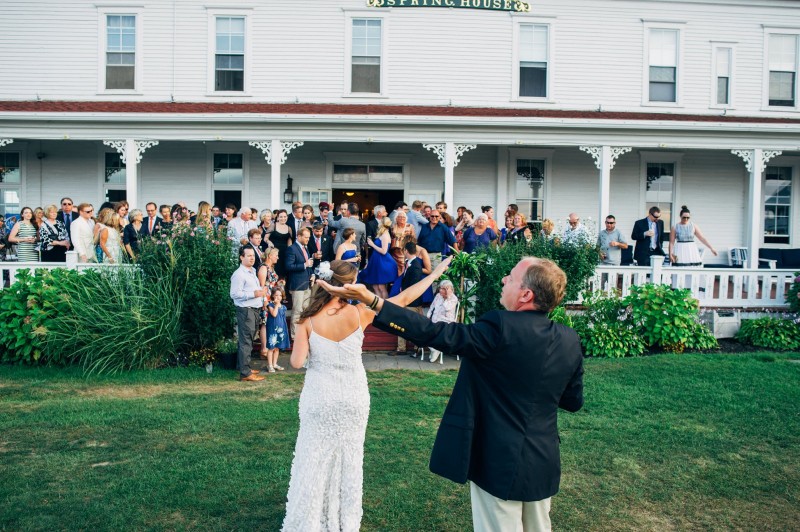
352,109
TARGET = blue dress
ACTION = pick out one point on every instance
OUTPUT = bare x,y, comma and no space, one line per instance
427,295
381,269
349,254
277,332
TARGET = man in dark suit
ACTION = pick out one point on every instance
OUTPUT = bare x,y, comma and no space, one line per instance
65,216
372,225
299,273
320,246
324,209
648,233
152,222
412,274
499,429
295,220
254,242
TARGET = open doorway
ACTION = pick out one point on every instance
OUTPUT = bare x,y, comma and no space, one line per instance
367,199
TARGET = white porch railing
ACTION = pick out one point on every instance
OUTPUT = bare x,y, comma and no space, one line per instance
713,287
8,270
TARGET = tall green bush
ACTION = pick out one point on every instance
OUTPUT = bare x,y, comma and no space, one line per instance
199,264
607,327
782,334
113,320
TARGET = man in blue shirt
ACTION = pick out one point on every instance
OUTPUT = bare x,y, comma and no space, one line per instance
435,237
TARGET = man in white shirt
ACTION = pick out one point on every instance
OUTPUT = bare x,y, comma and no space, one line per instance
248,297
575,232
83,233
239,227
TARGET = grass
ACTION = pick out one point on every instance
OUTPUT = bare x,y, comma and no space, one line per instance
669,442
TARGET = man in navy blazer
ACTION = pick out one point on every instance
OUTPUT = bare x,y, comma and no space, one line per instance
66,217
499,430
152,222
648,233
299,273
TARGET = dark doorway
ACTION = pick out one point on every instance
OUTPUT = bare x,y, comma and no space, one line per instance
115,195
223,197
367,199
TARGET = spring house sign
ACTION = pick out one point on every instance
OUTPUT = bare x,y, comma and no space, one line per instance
494,5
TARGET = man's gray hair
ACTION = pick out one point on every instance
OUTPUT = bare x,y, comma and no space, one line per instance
379,208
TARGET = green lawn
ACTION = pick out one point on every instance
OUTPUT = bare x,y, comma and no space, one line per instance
666,442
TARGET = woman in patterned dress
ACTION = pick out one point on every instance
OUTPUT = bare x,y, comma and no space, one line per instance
23,234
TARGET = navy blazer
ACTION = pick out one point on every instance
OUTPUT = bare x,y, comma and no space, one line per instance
298,277
500,426
642,252
411,276
146,225
327,249
61,218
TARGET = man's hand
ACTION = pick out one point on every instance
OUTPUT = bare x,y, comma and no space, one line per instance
349,291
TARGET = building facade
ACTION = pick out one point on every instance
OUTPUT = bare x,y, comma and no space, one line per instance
594,107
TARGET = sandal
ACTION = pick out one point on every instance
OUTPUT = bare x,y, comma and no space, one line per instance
271,369
279,368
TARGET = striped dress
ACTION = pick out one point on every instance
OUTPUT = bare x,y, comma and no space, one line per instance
26,252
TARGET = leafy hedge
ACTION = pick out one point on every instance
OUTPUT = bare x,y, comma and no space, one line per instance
781,334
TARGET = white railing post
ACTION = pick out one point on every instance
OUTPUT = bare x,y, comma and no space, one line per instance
72,260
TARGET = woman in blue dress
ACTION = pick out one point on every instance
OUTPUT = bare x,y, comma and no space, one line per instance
277,332
422,254
347,250
381,268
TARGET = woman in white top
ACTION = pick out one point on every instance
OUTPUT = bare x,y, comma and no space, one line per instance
683,249
443,309
109,237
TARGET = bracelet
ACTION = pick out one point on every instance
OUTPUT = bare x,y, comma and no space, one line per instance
374,303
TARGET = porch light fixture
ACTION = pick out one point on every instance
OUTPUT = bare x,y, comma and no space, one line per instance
288,196
349,194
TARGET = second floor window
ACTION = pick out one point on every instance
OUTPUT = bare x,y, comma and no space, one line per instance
229,54
120,52
365,74
782,70
722,75
533,60
663,65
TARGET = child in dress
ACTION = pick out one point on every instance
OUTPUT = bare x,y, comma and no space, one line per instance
277,333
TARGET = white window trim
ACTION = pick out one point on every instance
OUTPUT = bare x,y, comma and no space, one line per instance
228,147
102,38
332,158
715,47
794,217
102,186
528,20
22,149
531,153
765,106
212,14
680,70
348,52
672,157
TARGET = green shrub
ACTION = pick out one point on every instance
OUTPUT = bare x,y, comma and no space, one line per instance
793,294
25,308
559,315
113,320
463,272
607,328
199,264
773,333
668,318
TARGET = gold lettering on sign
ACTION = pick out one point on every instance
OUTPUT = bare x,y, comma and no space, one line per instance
506,4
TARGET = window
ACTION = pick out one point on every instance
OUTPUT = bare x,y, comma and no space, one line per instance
229,54
10,180
115,170
367,173
723,67
663,65
365,67
120,52
530,188
782,69
533,60
777,204
659,190
228,169
314,197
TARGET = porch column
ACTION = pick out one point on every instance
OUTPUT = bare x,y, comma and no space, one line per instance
275,152
131,152
449,155
605,157
755,161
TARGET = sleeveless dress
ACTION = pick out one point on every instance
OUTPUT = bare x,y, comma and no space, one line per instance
685,249
113,245
277,332
26,251
281,243
381,269
327,471
349,254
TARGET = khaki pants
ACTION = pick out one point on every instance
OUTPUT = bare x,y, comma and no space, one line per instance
300,301
490,514
436,259
401,342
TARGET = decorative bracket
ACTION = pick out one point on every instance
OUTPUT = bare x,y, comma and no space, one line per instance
597,151
141,146
441,152
5,142
266,149
746,156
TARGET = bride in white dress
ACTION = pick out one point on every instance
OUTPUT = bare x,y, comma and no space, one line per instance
327,470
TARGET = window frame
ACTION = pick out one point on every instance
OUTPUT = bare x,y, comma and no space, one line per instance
716,46
102,43
229,148
794,215
515,154
677,27
105,186
350,16
213,14
398,159
777,30
519,21
674,158
21,150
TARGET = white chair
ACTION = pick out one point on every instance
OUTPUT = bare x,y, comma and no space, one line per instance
421,350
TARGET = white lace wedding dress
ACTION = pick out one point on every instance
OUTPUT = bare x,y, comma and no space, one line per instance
327,471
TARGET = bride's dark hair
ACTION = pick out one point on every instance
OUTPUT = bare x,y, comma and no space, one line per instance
343,273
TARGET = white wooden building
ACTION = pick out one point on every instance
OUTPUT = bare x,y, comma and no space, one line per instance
595,107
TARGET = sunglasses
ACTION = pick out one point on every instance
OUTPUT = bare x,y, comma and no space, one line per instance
686,217
611,223
66,204
89,211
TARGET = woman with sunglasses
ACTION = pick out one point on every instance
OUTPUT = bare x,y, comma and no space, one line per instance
683,249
